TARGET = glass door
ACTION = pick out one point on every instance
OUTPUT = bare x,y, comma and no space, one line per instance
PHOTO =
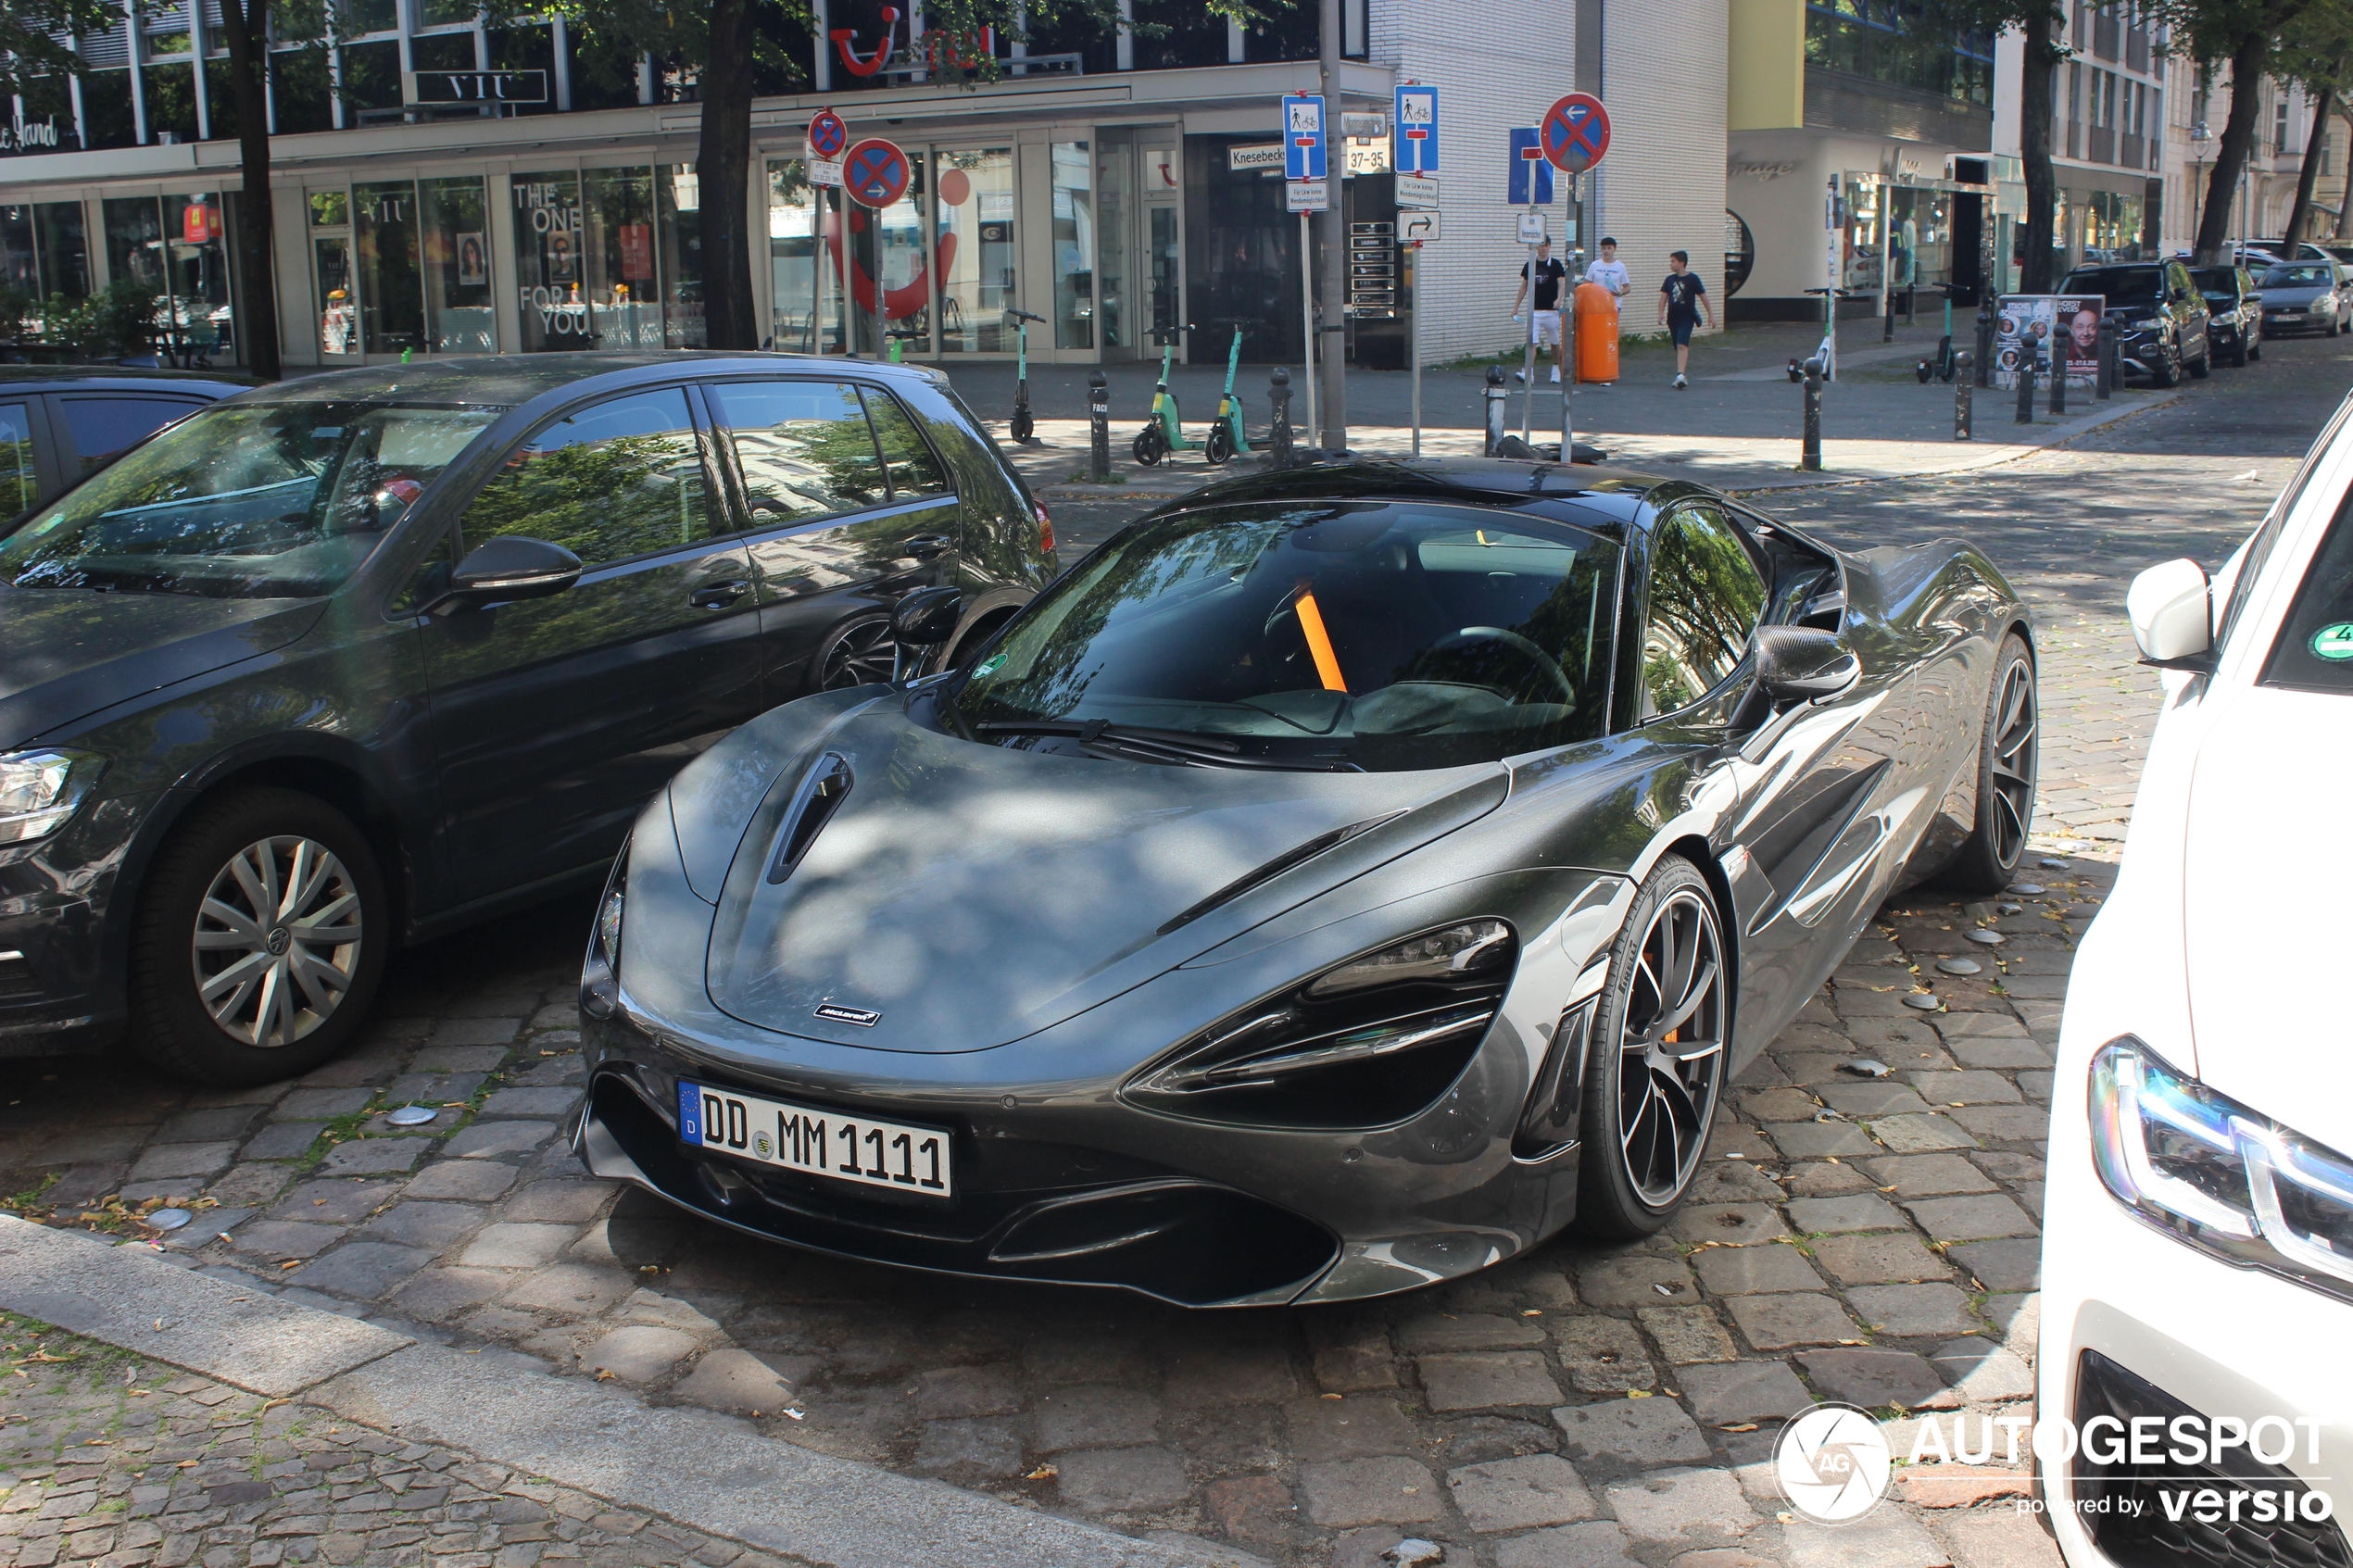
976,251
334,286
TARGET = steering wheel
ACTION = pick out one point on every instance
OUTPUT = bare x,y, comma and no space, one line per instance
1518,643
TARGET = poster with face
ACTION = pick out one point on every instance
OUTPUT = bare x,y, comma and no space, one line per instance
473,269
2039,326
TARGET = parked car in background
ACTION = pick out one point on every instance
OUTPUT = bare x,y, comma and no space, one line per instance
379,653
2234,312
2306,296
2341,253
59,423
2160,317
2197,1221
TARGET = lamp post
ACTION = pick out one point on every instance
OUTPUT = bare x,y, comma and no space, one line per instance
2200,136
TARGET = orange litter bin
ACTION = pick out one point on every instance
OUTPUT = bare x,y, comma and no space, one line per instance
1596,333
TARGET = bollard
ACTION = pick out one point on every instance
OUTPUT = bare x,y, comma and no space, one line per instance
2026,384
1985,343
1887,328
1279,454
1963,382
1810,459
1098,432
1497,396
2058,375
2108,359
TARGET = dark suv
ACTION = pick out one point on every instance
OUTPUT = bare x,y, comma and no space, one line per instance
355,661
2160,317
2234,312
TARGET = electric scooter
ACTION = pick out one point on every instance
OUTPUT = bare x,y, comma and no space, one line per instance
1940,368
1828,352
1024,428
1227,433
1163,431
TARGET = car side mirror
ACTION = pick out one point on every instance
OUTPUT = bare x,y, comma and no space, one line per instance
509,567
1803,663
927,617
2171,610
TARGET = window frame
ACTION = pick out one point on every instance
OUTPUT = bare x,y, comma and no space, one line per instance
724,446
72,460
1665,516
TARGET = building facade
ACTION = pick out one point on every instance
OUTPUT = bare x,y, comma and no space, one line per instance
2265,194
2109,108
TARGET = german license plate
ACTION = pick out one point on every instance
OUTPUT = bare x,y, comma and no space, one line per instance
822,1143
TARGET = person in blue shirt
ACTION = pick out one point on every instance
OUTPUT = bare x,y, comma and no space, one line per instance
1681,299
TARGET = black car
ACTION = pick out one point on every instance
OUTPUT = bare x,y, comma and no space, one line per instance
354,660
2160,317
60,422
2234,312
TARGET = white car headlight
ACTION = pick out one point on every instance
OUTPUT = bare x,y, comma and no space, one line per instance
2218,1175
600,970
40,789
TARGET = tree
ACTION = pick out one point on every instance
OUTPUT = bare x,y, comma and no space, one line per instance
2040,22
34,61
2247,33
2316,51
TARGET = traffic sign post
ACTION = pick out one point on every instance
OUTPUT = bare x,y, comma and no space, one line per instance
1575,132
827,138
1575,136
1413,130
1306,172
875,174
1531,187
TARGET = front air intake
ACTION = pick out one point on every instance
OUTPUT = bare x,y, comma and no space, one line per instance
813,805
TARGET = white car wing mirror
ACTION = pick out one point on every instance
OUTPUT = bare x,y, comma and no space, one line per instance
2171,611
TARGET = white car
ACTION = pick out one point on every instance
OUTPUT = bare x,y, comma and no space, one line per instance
2197,1251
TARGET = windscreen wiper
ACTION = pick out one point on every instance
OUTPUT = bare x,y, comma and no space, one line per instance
1158,746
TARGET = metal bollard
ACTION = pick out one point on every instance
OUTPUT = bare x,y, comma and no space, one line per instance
1887,330
1099,433
1278,453
1963,384
2108,359
1497,396
1985,343
2026,384
2058,375
1810,459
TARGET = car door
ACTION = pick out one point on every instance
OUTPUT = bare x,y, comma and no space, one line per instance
555,718
848,509
2189,306
97,427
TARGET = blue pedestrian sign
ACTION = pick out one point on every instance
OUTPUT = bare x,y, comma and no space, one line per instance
1304,144
1414,129
1531,179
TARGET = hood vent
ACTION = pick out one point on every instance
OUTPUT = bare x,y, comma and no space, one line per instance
1275,868
813,806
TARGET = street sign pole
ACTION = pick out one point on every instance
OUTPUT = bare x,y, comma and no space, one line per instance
1568,318
1414,337
821,293
1528,350
1307,314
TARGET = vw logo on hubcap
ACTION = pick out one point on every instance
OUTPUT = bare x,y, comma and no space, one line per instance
278,941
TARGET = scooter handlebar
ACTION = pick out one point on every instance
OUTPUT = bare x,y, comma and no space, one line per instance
1025,316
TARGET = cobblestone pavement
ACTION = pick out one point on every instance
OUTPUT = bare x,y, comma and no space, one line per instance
108,1458
1870,1239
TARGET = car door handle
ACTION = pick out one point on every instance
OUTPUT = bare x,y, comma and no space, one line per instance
719,595
923,547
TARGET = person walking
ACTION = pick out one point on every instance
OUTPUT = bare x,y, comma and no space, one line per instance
1681,299
1611,273
1548,276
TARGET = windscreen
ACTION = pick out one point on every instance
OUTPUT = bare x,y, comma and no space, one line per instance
2116,283
265,500
1379,635
2215,282
2299,275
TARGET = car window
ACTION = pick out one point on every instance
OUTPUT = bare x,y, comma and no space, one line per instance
2315,648
2267,535
104,427
1705,597
2299,275
805,448
614,480
2120,283
913,471
20,486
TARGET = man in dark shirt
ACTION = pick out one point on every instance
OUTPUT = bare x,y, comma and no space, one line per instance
1549,276
1681,299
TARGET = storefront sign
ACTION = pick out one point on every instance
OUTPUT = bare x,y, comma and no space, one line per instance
477,87
2031,324
1258,156
20,135
1307,195
199,223
1416,190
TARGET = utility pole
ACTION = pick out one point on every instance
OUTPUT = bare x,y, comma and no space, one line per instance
1332,346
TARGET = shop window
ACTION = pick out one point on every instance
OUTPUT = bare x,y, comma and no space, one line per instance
792,263
392,301
1113,217
550,230
370,81
20,264
64,249
199,273
134,241
369,15
977,251
106,111
172,100
301,96
622,290
456,247
1074,246
678,194
526,49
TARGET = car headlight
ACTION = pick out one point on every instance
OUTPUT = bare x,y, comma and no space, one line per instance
601,971
1366,1043
40,789
2219,1176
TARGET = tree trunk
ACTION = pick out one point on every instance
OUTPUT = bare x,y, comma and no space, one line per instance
723,171
2034,148
2344,195
2238,139
246,25
2302,211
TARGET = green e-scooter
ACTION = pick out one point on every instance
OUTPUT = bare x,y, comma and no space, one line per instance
1024,427
1163,431
1227,433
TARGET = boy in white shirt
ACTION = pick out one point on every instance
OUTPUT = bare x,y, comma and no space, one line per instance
1610,272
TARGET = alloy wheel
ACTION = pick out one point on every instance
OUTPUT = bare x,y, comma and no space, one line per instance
277,941
2014,761
1671,1053
863,655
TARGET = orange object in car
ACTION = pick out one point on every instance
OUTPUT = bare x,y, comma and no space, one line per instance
1596,333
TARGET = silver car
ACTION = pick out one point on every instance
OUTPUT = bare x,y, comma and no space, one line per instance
2300,297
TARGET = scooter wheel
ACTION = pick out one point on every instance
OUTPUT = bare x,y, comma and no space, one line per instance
1149,447
1023,426
1218,445
1795,373
1923,372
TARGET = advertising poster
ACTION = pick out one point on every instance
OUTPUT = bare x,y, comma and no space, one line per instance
2028,324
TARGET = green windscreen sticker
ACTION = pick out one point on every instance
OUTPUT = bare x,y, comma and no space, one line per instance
2334,642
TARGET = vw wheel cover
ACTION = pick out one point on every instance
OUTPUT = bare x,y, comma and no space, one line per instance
277,941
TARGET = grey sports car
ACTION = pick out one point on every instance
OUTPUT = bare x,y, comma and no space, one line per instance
1341,880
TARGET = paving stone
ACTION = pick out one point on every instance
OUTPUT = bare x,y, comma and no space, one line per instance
1604,1355
423,1224
369,1157
280,1240
438,1294
1743,1391
1983,1218
1239,1373
1257,1511
1597,1544
247,1185
638,1353
1872,1099
1971,1086
2001,1265
1733,1224
1493,1380
509,1245
1096,1417
970,1448
1123,1480
1997,1537
458,1058
1519,1494
2017,1317
1385,1490
1355,1364
1689,1334
1871,1377
573,1290
738,1382
1638,1280
1999,1053
209,1124
1732,1181
556,1103
364,1270
560,1202
1928,1175
1878,1259
1686,1508
1611,1437
965,1391
2009,1165
1332,1429
1750,1271
1781,1322
1783,1104
183,1161
1367,1548
1920,1135
281,1140
466,1032
320,1104
1983,1371
474,1181
1908,1311
1824,1178
335,1201
1858,1212
488,1140
1466,1330
2006,1123
1815,1140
